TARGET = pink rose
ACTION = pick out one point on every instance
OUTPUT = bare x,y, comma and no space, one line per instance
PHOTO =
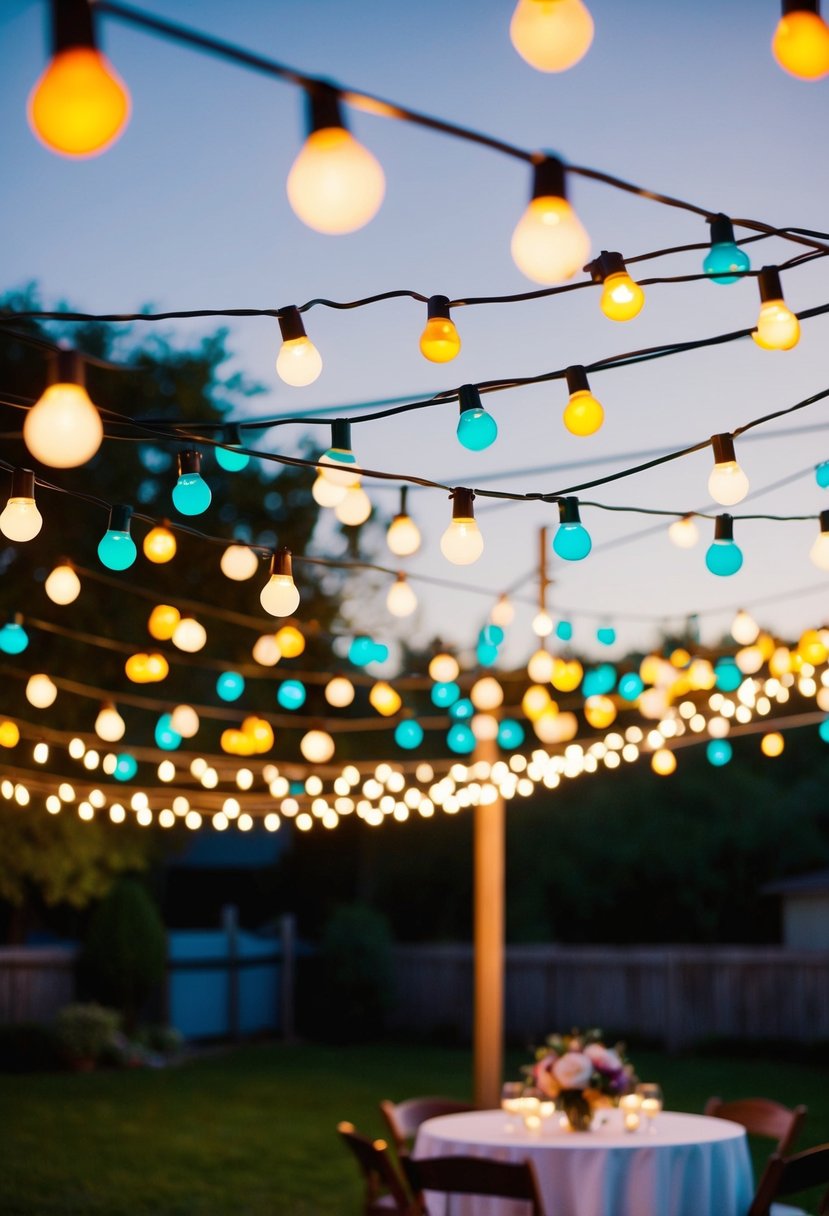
573,1070
543,1075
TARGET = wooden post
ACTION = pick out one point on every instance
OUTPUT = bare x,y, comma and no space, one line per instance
489,945
286,965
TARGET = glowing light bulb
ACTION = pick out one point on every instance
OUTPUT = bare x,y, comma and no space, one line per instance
185,721
325,493
822,474
725,261
542,625
79,106
540,666
549,243
64,429
439,341
62,585
339,692
443,668
401,599
280,596
408,735
189,635
819,552
163,621
239,562
801,41
20,519
191,493
462,543
116,549
503,612
622,298
298,363
744,628
13,637
403,536
476,428
159,545
684,532
355,507
317,746
777,326
724,557
572,540
772,744
583,414
40,691
486,693
385,699
551,35
227,457
109,725
663,762
335,184
290,641
338,463
727,483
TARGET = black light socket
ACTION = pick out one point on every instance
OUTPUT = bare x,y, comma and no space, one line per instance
824,520
341,434
72,25
119,518
770,286
800,6
469,398
66,367
438,306
323,108
290,324
462,503
189,462
231,435
605,265
568,511
549,178
722,230
724,527
23,483
281,562
576,378
723,446
404,494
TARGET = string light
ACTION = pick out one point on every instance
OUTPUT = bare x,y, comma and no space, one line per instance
339,692
62,585
777,326
684,532
116,548
443,668
189,635
41,691
335,184
744,628
723,556
583,414
159,545
239,562
477,429
191,493
572,540
317,746
185,721
503,612
549,243
727,483
401,600
801,40
403,536
551,35
725,261
280,596
337,464
63,429
20,519
163,621
355,507
227,457
109,725
622,298
462,543
298,363
440,341
819,552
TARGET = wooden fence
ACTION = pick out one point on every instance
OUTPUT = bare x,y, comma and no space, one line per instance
35,982
677,995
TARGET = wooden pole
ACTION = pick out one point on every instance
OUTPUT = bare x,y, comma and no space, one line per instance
489,945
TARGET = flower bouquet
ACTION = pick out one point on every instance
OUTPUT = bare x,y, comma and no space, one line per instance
581,1074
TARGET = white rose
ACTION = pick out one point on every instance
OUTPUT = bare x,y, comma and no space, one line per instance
604,1058
573,1070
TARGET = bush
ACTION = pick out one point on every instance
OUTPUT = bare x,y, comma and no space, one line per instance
85,1032
357,968
125,951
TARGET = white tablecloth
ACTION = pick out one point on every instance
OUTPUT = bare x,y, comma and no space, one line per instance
688,1166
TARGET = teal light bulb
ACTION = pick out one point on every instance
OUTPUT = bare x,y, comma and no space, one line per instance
606,634
822,474
487,654
13,638
460,739
116,548
462,710
230,460
444,695
408,735
725,260
510,733
631,686
564,631
823,730
719,752
126,766
477,430
191,493
291,695
724,557
230,685
166,738
728,675
572,542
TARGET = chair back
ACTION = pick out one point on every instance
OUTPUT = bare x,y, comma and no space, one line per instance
385,1191
475,1176
404,1118
761,1117
788,1175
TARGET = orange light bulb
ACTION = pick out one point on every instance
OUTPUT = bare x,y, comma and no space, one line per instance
79,106
801,44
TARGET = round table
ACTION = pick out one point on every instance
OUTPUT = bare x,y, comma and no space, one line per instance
688,1165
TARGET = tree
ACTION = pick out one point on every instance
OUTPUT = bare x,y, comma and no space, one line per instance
125,950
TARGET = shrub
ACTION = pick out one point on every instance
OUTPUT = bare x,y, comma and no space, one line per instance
125,951
85,1032
357,962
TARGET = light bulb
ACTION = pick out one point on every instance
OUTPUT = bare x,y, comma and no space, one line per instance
385,699
486,693
443,668
549,243
325,493
724,557
542,625
64,429
727,483
503,612
227,457
777,326
622,298
159,545
63,585
684,532
163,621
476,429
317,746
290,641
116,548
462,543
725,261
280,596
408,735
185,721
79,106
189,635
744,628
13,637
801,41
338,463
109,725
20,519
191,493
819,552
335,184
40,691
298,363
663,762
583,414
551,35
401,599
572,540
403,536
355,507
822,474
239,562
439,341
339,692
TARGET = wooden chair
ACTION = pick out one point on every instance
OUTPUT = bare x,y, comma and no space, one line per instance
475,1176
788,1175
404,1118
761,1117
385,1191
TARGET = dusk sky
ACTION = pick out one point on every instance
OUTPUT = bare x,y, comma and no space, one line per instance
188,210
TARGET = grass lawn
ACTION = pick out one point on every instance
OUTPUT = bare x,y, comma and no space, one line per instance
251,1131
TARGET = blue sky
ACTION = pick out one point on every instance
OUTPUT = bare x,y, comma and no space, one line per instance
189,210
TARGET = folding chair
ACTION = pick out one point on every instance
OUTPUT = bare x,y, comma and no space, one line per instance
385,1191
475,1176
404,1118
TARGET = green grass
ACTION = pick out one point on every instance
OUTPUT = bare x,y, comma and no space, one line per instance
251,1131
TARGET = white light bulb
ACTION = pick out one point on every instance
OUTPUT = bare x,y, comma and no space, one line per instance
462,543
727,483
549,243
185,721
266,650
189,635
819,552
503,612
40,691
542,624
239,563
335,184
744,628
109,725
20,520
63,585
298,363
63,429
317,746
551,35
401,600
280,596
327,493
403,536
355,507
339,692
684,533
540,667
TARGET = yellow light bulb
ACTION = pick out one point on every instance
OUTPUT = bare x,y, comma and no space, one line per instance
385,699
63,585
551,35
291,641
439,341
622,298
583,414
536,701
599,711
772,744
160,545
163,621
663,762
80,105
299,362
777,327
549,243
403,536
9,734
801,45
335,184
567,674
63,429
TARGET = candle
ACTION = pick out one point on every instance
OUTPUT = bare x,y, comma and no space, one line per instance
631,1120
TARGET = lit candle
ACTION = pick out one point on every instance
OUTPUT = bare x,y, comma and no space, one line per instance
651,1107
631,1120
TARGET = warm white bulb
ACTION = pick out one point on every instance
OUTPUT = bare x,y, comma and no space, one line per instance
549,243
443,668
337,466
185,721
486,693
403,536
503,613
462,543
109,725
335,184
744,628
819,552
189,635
63,429
551,35
484,726
727,483
339,692
326,493
540,667
317,746
684,533
63,585
40,691
239,563
20,520
299,362
355,507
280,596
401,599
542,624
266,650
